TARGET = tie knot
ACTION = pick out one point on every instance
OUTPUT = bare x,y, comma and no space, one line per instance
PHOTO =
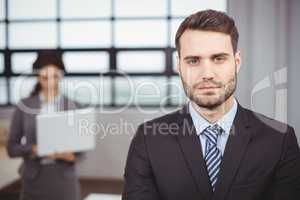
212,133
218,130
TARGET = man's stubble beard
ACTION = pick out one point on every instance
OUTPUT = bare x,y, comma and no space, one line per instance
205,102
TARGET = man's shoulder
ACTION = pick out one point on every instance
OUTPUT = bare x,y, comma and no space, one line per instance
169,118
160,128
167,124
267,123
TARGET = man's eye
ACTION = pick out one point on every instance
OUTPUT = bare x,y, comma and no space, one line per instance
193,61
219,59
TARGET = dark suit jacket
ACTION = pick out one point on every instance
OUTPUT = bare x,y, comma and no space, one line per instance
261,161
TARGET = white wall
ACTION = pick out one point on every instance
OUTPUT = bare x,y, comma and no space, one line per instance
269,44
293,53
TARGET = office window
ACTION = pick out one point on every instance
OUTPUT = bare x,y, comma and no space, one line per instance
186,7
85,8
141,90
22,62
86,62
2,9
175,23
141,8
32,35
136,37
174,58
87,90
21,87
3,89
1,63
141,33
86,34
141,61
2,36
32,9
177,95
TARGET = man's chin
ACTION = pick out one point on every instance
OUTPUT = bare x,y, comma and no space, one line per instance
209,105
208,102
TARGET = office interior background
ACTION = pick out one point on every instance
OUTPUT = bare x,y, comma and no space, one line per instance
120,56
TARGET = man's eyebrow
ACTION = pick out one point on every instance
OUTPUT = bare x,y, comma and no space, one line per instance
191,57
212,56
220,54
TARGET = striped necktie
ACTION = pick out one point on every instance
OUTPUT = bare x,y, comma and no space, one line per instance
213,156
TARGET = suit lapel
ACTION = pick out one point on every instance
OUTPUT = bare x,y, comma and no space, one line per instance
235,149
191,148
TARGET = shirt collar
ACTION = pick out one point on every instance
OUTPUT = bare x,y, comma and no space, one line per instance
225,122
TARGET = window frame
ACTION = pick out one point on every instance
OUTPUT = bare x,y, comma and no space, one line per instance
112,51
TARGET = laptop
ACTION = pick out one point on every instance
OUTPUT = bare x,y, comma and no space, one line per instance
66,131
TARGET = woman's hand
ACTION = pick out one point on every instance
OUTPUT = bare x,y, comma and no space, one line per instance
66,156
35,155
34,151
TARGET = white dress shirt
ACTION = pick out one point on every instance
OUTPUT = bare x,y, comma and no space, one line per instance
225,122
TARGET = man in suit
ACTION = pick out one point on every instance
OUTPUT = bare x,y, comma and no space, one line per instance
212,148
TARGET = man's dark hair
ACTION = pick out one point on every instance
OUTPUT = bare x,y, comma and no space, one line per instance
209,20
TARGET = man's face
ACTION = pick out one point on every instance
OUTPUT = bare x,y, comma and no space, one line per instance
208,67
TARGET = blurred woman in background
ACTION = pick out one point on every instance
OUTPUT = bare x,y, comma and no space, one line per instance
52,177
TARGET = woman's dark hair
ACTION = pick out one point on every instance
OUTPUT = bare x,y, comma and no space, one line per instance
46,57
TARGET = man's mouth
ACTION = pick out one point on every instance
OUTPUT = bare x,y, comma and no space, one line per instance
208,87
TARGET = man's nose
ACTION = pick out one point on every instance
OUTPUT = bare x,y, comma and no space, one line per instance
207,70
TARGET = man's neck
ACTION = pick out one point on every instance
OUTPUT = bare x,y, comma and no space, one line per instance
213,115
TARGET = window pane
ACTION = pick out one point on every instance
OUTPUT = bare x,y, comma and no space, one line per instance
87,90
32,9
141,8
141,33
92,8
141,90
174,55
32,35
177,95
2,9
2,36
1,63
187,7
22,62
3,96
86,61
141,61
175,23
21,87
86,34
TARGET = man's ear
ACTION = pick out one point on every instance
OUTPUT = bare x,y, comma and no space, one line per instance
238,60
